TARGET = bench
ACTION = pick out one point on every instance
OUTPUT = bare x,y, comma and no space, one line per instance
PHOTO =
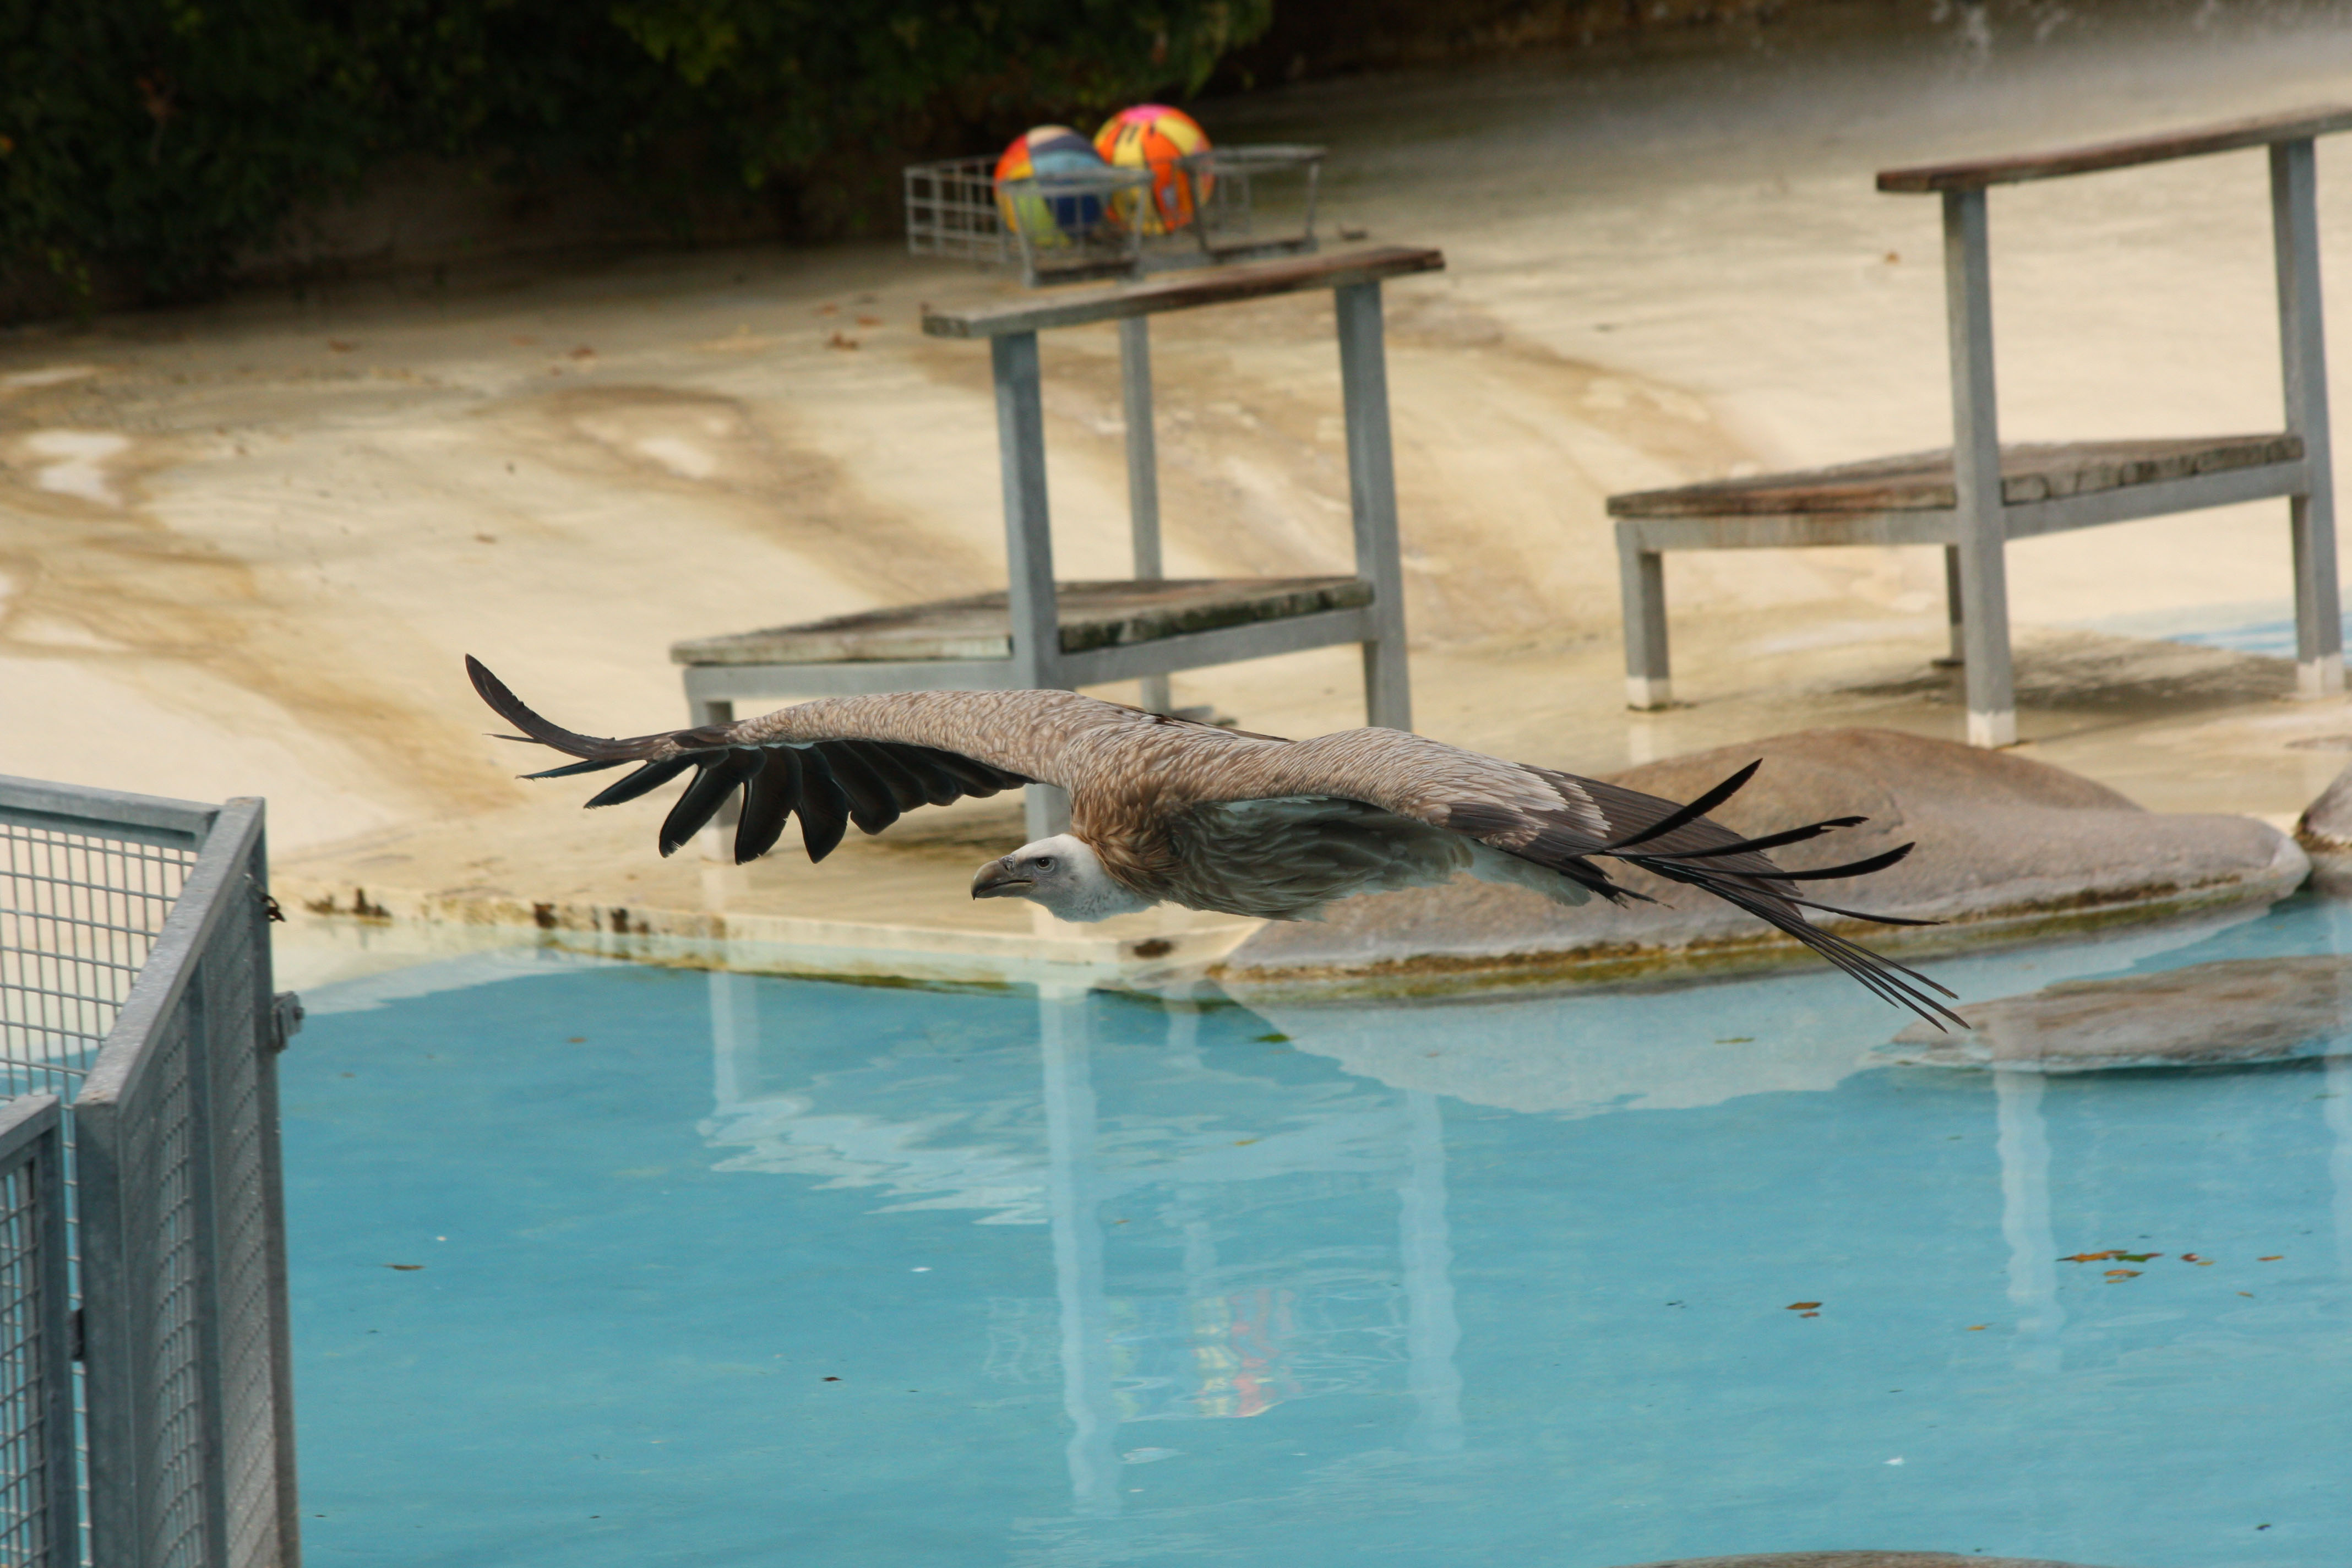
1041,633
1975,496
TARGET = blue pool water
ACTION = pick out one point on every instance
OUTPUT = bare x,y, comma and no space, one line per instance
2274,636
725,1270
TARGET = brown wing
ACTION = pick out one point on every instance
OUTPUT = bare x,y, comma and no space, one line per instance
829,783
1565,823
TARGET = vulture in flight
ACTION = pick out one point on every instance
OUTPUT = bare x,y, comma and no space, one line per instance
1166,810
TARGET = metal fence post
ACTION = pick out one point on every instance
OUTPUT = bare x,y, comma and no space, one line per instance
39,1497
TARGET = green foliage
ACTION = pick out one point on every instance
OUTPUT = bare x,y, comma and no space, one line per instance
152,141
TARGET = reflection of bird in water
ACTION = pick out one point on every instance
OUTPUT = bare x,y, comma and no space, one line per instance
1165,810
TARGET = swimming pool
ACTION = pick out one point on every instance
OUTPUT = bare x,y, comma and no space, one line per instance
605,1265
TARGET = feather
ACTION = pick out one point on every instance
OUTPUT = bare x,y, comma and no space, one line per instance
717,780
1772,840
907,791
593,765
1690,813
824,808
651,776
768,800
870,802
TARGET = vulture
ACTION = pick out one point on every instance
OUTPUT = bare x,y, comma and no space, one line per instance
1164,809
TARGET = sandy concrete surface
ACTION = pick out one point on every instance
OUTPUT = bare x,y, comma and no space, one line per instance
243,548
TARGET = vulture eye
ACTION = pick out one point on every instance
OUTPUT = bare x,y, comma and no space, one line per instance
1044,862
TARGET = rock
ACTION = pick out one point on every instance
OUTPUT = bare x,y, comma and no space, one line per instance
2324,830
2208,1014
2009,850
2325,825
1857,1560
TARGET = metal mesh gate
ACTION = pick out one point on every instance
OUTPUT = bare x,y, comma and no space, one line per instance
134,979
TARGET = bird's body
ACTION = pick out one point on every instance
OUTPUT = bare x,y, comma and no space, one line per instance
1165,810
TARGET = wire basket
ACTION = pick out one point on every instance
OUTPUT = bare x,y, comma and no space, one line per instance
1243,203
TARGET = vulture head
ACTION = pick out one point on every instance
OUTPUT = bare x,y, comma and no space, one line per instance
1063,875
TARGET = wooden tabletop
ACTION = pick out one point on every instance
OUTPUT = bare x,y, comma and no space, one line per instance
1183,290
1922,481
1092,616
2228,136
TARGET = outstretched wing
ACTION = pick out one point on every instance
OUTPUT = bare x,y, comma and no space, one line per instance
831,777
1565,824
1680,844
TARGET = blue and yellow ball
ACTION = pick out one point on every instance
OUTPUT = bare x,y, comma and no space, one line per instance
1153,136
1046,152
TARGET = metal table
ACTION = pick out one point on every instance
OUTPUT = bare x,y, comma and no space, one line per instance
1039,633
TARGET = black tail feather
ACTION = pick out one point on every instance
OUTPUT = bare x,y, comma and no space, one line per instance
1770,840
1688,813
1879,862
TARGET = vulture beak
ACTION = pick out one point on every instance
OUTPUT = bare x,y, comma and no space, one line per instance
998,880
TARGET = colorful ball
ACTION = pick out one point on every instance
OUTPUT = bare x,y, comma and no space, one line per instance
1153,136
1042,213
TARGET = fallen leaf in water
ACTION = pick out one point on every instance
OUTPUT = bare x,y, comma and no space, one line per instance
1978,1328
2119,1274
1808,1314
405,1267
2134,1257
2273,1257
1271,1039
2090,1257
2200,1262
1244,1143
1737,1041
1801,1305
2248,1295
833,1380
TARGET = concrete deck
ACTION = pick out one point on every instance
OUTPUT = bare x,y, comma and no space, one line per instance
243,549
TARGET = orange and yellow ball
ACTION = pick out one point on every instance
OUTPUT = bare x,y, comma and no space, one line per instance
1153,136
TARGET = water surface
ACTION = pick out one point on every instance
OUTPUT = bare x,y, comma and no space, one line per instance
616,1265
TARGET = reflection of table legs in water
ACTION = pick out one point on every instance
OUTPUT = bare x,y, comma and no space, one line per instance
1075,1200
1255,1329
2025,1219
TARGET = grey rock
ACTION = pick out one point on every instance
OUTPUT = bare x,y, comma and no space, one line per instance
1858,1560
2239,1010
2008,850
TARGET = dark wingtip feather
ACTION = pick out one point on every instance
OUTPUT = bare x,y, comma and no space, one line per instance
593,765
515,711
651,776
